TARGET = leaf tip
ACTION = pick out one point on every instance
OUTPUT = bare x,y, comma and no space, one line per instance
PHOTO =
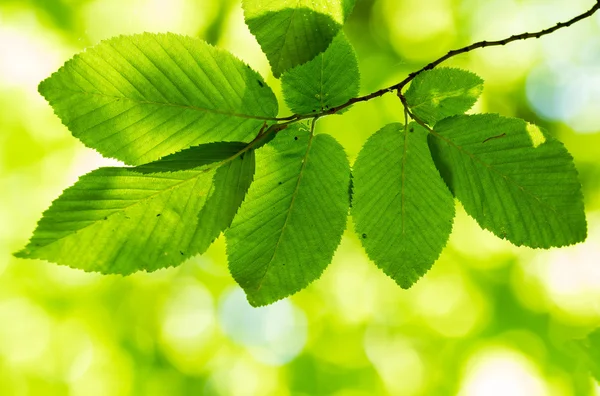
23,253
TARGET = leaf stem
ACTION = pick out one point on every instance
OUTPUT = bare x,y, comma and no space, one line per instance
412,116
480,44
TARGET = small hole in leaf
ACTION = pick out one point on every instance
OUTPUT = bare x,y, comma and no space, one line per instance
364,236
158,215
260,83
412,129
295,137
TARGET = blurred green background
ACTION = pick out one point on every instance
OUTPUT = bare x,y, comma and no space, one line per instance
488,319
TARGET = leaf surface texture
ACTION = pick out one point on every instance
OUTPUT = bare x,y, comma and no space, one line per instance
327,81
292,32
512,177
402,209
443,92
292,220
139,98
122,220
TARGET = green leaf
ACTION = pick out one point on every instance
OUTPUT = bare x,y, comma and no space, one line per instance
327,81
589,349
292,220
121,220
512,177
292,32
402,209
443,92
138,98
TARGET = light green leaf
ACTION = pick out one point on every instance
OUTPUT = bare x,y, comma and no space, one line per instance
121,220
327,81
292,32
589,350
293,217
443,92
402,209
138,98
513,178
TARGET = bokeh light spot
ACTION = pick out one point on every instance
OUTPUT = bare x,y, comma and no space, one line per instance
398,362
499,371
274,334
188,321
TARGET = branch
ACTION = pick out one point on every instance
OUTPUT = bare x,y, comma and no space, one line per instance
481,44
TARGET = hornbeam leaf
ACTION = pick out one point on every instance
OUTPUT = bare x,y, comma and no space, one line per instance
138,98
402,209
512,177
292,32
443,92
327,81
292,220
121,220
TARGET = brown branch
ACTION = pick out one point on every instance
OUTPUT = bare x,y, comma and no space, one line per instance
481,44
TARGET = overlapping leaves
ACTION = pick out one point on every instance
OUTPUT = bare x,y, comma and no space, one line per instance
122,220
292,32
329,80
195,119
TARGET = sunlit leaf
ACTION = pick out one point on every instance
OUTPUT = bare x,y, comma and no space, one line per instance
293,217
292,32
138,98
327,81
121,220
512,177
402,209
443,92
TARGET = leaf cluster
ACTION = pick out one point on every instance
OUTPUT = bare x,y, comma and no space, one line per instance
208,154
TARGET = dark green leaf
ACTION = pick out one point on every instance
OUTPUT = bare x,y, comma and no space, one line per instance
292,32
402,209
512,177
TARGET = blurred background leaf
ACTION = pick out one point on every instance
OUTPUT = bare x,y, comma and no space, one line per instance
488,319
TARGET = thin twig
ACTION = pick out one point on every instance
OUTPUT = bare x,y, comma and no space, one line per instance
412,116
481,44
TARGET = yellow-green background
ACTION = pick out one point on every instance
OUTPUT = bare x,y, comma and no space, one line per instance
488,319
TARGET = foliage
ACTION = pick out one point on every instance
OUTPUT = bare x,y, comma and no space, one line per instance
589,349
121,220
144,98
402,209
294,32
